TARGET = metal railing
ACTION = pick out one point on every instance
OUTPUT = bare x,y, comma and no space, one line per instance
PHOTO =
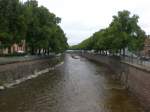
136,60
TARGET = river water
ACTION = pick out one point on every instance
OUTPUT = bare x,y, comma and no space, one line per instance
78,85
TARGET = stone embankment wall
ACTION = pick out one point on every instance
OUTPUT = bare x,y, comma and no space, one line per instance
15,72
112,62
135,78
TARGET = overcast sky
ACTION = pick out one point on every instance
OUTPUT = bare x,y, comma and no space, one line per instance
81,18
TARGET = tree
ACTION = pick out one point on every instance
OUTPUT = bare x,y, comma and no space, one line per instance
123,32
27,21
12,24
58,42
43,31
127,32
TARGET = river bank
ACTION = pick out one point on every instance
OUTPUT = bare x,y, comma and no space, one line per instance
16,72
135,78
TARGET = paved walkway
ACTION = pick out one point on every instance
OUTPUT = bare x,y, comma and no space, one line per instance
8,60
137,62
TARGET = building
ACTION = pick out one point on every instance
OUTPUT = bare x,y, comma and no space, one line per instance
18,48
146,50
15,48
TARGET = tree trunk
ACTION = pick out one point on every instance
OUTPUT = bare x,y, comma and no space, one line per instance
9,50
123,51
48,51
39,51
44,51
32,51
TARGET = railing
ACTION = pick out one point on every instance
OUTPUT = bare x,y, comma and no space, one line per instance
137,61
130,59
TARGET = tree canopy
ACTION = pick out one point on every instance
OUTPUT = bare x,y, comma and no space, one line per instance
123,32
33,23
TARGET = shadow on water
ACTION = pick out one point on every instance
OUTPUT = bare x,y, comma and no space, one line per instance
78,85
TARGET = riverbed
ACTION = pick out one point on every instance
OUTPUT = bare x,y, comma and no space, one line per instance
78,85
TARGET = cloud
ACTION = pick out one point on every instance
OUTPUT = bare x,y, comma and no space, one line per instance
81,18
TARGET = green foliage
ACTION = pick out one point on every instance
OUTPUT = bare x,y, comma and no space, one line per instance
43,30
85,45
27,21
123,32
11,22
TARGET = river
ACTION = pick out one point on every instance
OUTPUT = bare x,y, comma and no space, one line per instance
78,85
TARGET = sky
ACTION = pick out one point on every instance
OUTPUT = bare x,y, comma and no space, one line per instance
81,18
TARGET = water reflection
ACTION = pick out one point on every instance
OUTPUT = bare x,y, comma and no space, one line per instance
77,86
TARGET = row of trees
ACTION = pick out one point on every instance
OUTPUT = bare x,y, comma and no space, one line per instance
32,23
123,32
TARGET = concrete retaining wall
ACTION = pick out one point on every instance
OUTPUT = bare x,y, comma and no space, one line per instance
10,73
135,78
112,62
138,81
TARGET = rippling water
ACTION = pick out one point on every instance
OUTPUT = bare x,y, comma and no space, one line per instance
77,86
